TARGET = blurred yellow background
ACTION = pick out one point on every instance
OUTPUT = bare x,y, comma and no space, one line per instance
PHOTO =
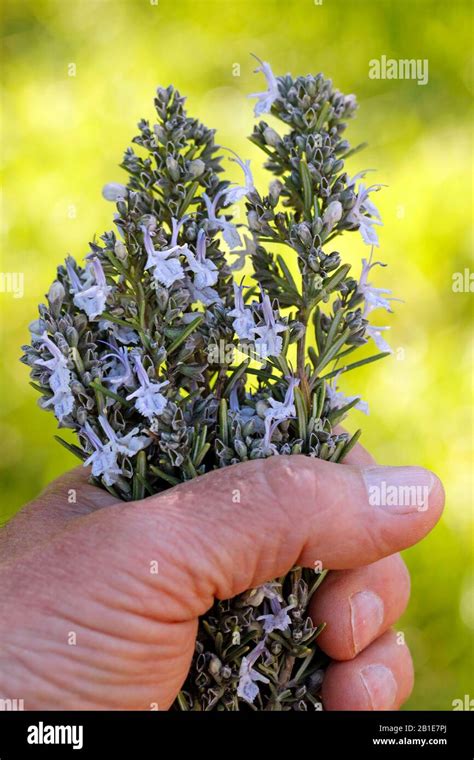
77,76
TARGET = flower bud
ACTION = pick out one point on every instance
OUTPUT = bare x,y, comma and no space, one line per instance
274,190
56,293
81,415
350,102
304,234
120,251
214,665
72,336
241,449
162,297
113,191
332,214
297,330
173,168
248,428
196,168
254,224
271,137
159,133
317,226
37,328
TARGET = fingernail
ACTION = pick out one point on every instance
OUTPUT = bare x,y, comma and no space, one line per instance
400,490
367,613
380,685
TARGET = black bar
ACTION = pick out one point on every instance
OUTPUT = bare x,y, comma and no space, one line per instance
286,735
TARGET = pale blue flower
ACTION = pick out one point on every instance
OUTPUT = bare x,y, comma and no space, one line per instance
249,249
229,230
284,410
247,688
376,334
82,281
149,401
117,366
207,295
123,334
358,215
277,412
104,457
375,298
351,181
337,399
279,620
166,270
270,590
269,343
129,444
59,380
205,271
37,328
268,97
92,298
235,194
243,323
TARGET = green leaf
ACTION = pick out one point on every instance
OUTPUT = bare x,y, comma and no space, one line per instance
301,414
337,451
223,422
79,453
317,583
350,444
360,363
321,400
307,189
138,487
336,415
288,275
164,475
330,353
45,391
182,702
202,453
185,333
96,386
262,147
322,115
188,198
123,322
331,283
280,363
235,376
353,151
334,326
318,330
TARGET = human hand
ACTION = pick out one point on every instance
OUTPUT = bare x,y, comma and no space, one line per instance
83,569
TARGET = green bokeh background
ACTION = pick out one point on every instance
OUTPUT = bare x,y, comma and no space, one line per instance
63,136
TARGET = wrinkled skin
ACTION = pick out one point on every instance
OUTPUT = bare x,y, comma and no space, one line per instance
84,572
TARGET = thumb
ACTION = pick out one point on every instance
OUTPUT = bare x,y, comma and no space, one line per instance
233,529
